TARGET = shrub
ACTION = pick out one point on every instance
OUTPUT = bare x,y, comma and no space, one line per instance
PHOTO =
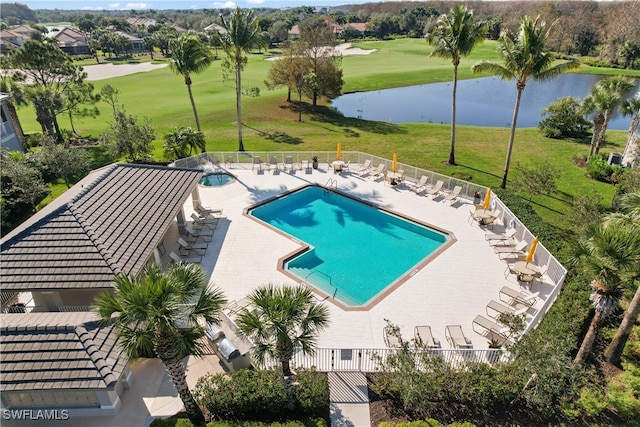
592,401
312,392
623,393
171,422
599,169
260,395
564,119
317,422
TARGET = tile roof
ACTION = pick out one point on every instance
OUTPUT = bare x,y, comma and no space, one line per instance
112,226
59,355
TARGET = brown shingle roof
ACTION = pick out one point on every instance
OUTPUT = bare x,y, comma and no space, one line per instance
59,355
112,226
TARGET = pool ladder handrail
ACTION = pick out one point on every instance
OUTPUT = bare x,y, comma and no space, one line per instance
331,182
335,290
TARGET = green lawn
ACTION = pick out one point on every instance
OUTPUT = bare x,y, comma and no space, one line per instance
271,123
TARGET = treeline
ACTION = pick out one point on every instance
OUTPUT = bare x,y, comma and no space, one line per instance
608,31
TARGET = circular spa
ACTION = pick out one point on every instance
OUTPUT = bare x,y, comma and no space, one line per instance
216,179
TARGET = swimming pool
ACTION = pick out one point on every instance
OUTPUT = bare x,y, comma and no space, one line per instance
216,179
357,253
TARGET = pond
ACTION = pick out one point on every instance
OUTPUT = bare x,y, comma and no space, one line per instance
486,101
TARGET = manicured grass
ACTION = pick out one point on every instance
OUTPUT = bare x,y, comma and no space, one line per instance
271,123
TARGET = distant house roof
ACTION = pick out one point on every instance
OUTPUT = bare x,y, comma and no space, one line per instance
216,27
70,37
141,21
129,36
49,351
112,225
359,26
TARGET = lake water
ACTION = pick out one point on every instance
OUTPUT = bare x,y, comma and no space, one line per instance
486,101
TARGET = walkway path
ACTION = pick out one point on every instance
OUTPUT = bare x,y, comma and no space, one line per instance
349,400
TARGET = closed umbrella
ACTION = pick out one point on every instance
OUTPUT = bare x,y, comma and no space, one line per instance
394,163
532,250
339,153
487,199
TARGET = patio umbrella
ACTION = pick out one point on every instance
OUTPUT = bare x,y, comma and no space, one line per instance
487,198
532,250
394,163
339,153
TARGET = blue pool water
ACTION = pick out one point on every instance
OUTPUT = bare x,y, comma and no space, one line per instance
216,179
359,249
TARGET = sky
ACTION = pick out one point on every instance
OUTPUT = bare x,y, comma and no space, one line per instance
176,4
181,4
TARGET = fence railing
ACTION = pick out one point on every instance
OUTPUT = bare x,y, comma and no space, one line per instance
374,359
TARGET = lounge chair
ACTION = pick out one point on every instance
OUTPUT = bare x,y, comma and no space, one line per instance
456,338
364,168
497,237
204,211
257,164
229,162
454,195
423,334
274,166
185,246
495,309
434,190
193,235
390,340
514,296
188,259
492,330
378,172
345,167
511,251
419,186
199,222
288,164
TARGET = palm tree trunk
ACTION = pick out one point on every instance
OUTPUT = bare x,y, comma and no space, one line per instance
598,120
300,106
286,368
512,136
589,338
239,101
170,358
603,131
452,155
614,351
193,105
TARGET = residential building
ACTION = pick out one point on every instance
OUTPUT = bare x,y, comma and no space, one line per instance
11,135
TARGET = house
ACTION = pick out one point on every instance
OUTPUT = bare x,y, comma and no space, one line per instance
11,135
215,27
67,362
73,42
10,39
136,43
114,221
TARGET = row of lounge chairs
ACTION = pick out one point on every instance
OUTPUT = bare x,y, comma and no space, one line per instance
423,336
204,222
274,166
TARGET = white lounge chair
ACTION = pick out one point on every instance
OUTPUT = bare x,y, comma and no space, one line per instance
501,238
456,338
423,334
378,172
495,309
390,339
364,168
511,251
434,190
512,296
288,164
274,166
454,195
492,330
419,186
189,259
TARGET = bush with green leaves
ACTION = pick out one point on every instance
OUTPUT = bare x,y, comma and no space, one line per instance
599,169
260,395
185,422
564,119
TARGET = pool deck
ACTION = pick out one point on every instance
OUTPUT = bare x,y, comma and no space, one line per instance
451,289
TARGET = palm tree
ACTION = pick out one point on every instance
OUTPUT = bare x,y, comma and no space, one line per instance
629,218
455,36
606,253
181,141
525,56
281,319
190,56
605,97
162,312
242,33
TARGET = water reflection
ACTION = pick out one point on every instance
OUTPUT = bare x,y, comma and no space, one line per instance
486,101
